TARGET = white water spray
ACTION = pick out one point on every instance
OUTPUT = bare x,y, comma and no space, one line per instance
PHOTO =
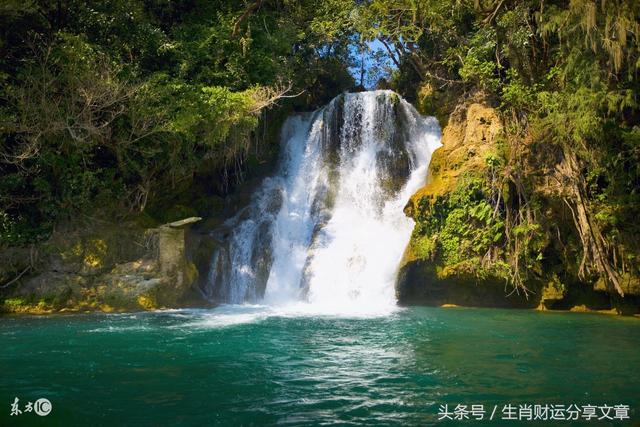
326,234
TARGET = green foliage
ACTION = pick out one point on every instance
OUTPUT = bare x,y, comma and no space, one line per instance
424,247
565,76
517,95
478,65
459,227
14,303
105,106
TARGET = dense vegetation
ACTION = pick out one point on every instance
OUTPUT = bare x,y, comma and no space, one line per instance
562,192
106,104
111,104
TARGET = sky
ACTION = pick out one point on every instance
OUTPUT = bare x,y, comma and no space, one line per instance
375,67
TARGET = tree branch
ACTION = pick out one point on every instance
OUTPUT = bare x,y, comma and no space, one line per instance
391,55
246,14
15,279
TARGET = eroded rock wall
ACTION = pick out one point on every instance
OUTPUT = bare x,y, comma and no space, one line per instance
105,267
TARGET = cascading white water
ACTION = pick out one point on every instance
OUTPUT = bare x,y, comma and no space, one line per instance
327,232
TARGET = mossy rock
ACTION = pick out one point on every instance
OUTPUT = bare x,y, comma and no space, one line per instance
106,269
470,138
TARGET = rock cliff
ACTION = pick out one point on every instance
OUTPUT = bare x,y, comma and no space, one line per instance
476,242
105,267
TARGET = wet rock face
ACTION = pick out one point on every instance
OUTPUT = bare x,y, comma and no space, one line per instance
395,159
471,133
219,262
113,267
419,284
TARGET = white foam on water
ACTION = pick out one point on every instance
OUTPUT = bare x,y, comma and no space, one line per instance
225,315
230,315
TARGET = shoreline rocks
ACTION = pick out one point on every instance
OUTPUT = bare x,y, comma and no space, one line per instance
108,267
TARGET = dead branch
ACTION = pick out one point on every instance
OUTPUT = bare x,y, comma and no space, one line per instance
395,60
493,14
267,96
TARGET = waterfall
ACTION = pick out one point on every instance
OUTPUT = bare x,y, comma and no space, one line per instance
327,230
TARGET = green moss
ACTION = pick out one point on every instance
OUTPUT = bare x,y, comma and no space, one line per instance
394,98
15,302
146,302
424,247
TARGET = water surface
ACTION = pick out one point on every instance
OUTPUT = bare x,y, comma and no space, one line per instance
251,365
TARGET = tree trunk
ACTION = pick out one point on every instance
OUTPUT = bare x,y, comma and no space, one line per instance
594,249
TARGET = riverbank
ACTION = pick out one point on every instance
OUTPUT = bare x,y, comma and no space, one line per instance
9,309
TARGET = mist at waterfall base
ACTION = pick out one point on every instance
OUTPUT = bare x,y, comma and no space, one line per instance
326,233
